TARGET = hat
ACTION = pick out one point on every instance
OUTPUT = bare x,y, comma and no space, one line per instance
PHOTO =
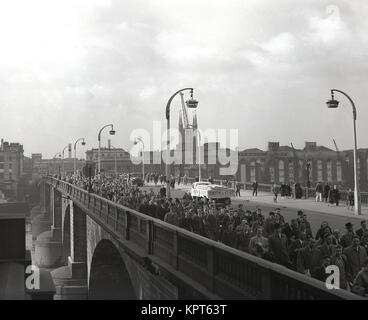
300,212
348,225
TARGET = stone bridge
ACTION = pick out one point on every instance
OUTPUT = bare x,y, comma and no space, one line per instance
101,250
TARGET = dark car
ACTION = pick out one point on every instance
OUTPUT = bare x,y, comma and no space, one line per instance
137,181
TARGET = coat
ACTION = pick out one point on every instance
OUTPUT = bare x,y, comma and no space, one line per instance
278,248
347,239
307,259
355,260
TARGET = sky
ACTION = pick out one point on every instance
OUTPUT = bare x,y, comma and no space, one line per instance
264,67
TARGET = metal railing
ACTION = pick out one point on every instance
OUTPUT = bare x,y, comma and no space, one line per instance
223,271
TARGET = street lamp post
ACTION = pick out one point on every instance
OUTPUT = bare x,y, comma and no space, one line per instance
139,139
112,132
307,165
334,104
67,146
75,152
55,157
199,156
191,103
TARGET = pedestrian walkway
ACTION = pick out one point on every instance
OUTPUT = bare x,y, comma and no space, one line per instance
304,204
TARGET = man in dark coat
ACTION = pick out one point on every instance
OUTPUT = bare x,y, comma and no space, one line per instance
278,247
307,259
255,188
356,255
347,238
326,192
360,232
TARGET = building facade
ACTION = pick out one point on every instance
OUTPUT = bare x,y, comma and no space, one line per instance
313,163
113,160
11,168
42,167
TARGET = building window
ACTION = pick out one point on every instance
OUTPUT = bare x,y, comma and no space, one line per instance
338,171
329,171
319,170
281,171
291,171
311,171
272,174
301,164
253,171
1,158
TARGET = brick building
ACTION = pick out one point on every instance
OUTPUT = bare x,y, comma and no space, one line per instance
11,168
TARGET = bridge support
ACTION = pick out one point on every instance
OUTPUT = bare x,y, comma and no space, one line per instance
40,215
48,246
71,280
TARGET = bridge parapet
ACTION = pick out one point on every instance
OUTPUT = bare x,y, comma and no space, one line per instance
214,269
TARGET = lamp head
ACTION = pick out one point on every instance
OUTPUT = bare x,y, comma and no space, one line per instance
83,143
112,132
192,103
332,104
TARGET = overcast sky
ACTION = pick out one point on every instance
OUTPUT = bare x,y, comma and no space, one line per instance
264,67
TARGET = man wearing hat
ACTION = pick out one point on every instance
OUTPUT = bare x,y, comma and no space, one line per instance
355,255
347,238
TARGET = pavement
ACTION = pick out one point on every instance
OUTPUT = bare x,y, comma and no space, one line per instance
317,212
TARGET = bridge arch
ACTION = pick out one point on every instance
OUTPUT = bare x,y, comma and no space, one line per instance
109,278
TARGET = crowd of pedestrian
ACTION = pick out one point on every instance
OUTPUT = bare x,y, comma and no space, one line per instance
291,244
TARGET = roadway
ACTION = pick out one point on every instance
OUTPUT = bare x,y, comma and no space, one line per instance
316,212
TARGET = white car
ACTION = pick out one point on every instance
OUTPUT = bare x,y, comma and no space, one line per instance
220,194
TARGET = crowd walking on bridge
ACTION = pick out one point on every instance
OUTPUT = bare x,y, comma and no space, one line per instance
291,244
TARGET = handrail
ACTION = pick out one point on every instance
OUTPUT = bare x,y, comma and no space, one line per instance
246,275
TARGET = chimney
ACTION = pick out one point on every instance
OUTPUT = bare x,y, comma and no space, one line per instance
70,150
2,144
109,143
311,146
273,146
